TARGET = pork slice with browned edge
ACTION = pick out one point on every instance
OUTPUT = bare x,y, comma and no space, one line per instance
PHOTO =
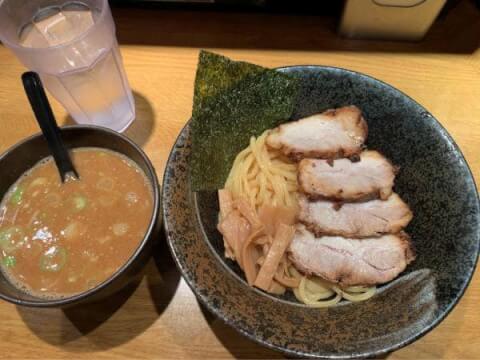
335,133
343,180
355,220
349,262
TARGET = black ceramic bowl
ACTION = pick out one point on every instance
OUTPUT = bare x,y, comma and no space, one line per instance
434,180
21,157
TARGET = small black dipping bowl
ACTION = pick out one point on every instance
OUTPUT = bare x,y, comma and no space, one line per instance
24,155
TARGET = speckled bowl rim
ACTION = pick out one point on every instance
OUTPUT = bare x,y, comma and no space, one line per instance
204,299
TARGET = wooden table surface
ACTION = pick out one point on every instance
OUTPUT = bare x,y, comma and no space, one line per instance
161,317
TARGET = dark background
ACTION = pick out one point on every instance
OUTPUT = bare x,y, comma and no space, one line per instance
291,25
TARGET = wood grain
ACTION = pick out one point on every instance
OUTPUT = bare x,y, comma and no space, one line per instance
161,318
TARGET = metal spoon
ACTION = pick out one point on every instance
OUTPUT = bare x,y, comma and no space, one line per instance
44,115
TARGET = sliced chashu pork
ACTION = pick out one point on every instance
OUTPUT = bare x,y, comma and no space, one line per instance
355,220
351,262
370,177
332,134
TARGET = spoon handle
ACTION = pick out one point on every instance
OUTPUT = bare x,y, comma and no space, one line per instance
44,115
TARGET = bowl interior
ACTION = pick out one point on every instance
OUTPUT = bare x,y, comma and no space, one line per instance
434,180
432,171
26,154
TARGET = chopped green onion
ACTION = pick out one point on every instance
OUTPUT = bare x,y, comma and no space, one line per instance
53,261
9,261
17,194
92,283
79,202
38,181
120,229
73,230
11,239
105,183
53,199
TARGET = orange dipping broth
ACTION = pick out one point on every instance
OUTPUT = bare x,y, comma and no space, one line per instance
57,240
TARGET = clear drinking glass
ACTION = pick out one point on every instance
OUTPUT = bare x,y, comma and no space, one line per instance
72,45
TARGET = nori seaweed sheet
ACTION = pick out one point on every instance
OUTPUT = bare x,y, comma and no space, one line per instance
233,101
